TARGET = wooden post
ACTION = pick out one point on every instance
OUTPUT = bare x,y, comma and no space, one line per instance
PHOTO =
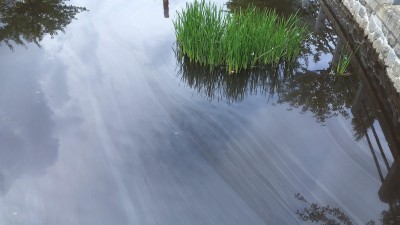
166,8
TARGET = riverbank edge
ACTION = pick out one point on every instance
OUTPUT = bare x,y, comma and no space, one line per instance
380,20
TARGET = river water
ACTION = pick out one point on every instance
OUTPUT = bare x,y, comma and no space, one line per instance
102,125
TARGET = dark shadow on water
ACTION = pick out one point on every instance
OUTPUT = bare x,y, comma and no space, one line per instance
29,21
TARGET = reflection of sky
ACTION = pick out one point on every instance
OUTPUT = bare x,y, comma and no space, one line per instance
28,145
135,146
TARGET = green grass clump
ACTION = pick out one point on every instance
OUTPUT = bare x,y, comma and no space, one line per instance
249,37
345,60
343,63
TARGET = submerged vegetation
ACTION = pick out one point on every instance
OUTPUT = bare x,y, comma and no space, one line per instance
241,40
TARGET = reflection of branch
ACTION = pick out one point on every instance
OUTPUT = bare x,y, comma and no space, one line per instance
318,92
334,216
391,216
325,214
361,123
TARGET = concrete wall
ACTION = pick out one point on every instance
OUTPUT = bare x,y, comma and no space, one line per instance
380,20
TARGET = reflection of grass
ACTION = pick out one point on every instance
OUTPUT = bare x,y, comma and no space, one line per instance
240,40
220,85
343,64
344,61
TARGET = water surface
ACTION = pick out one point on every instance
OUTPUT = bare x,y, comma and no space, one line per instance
102,125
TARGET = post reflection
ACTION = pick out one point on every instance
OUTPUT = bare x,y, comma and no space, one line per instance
389,172
29,21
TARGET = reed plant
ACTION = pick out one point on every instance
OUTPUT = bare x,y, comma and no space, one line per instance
246,38
345,59
343,64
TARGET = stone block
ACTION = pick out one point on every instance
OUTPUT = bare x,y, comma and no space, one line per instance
372,27
373,4
369,10
378,45
362,12
397,83
385,30
385,49
376,36
391,57
391,39
386,1
351,3
394,70
364,23
390,16
375,24
357,6
397,49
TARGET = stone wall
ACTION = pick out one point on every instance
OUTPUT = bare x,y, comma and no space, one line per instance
384,95
380,21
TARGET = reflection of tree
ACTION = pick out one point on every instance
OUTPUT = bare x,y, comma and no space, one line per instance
321,214
334,216
322,94
31,20
317,92
361,123
391,216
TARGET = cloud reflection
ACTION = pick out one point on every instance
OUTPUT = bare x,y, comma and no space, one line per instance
27,142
